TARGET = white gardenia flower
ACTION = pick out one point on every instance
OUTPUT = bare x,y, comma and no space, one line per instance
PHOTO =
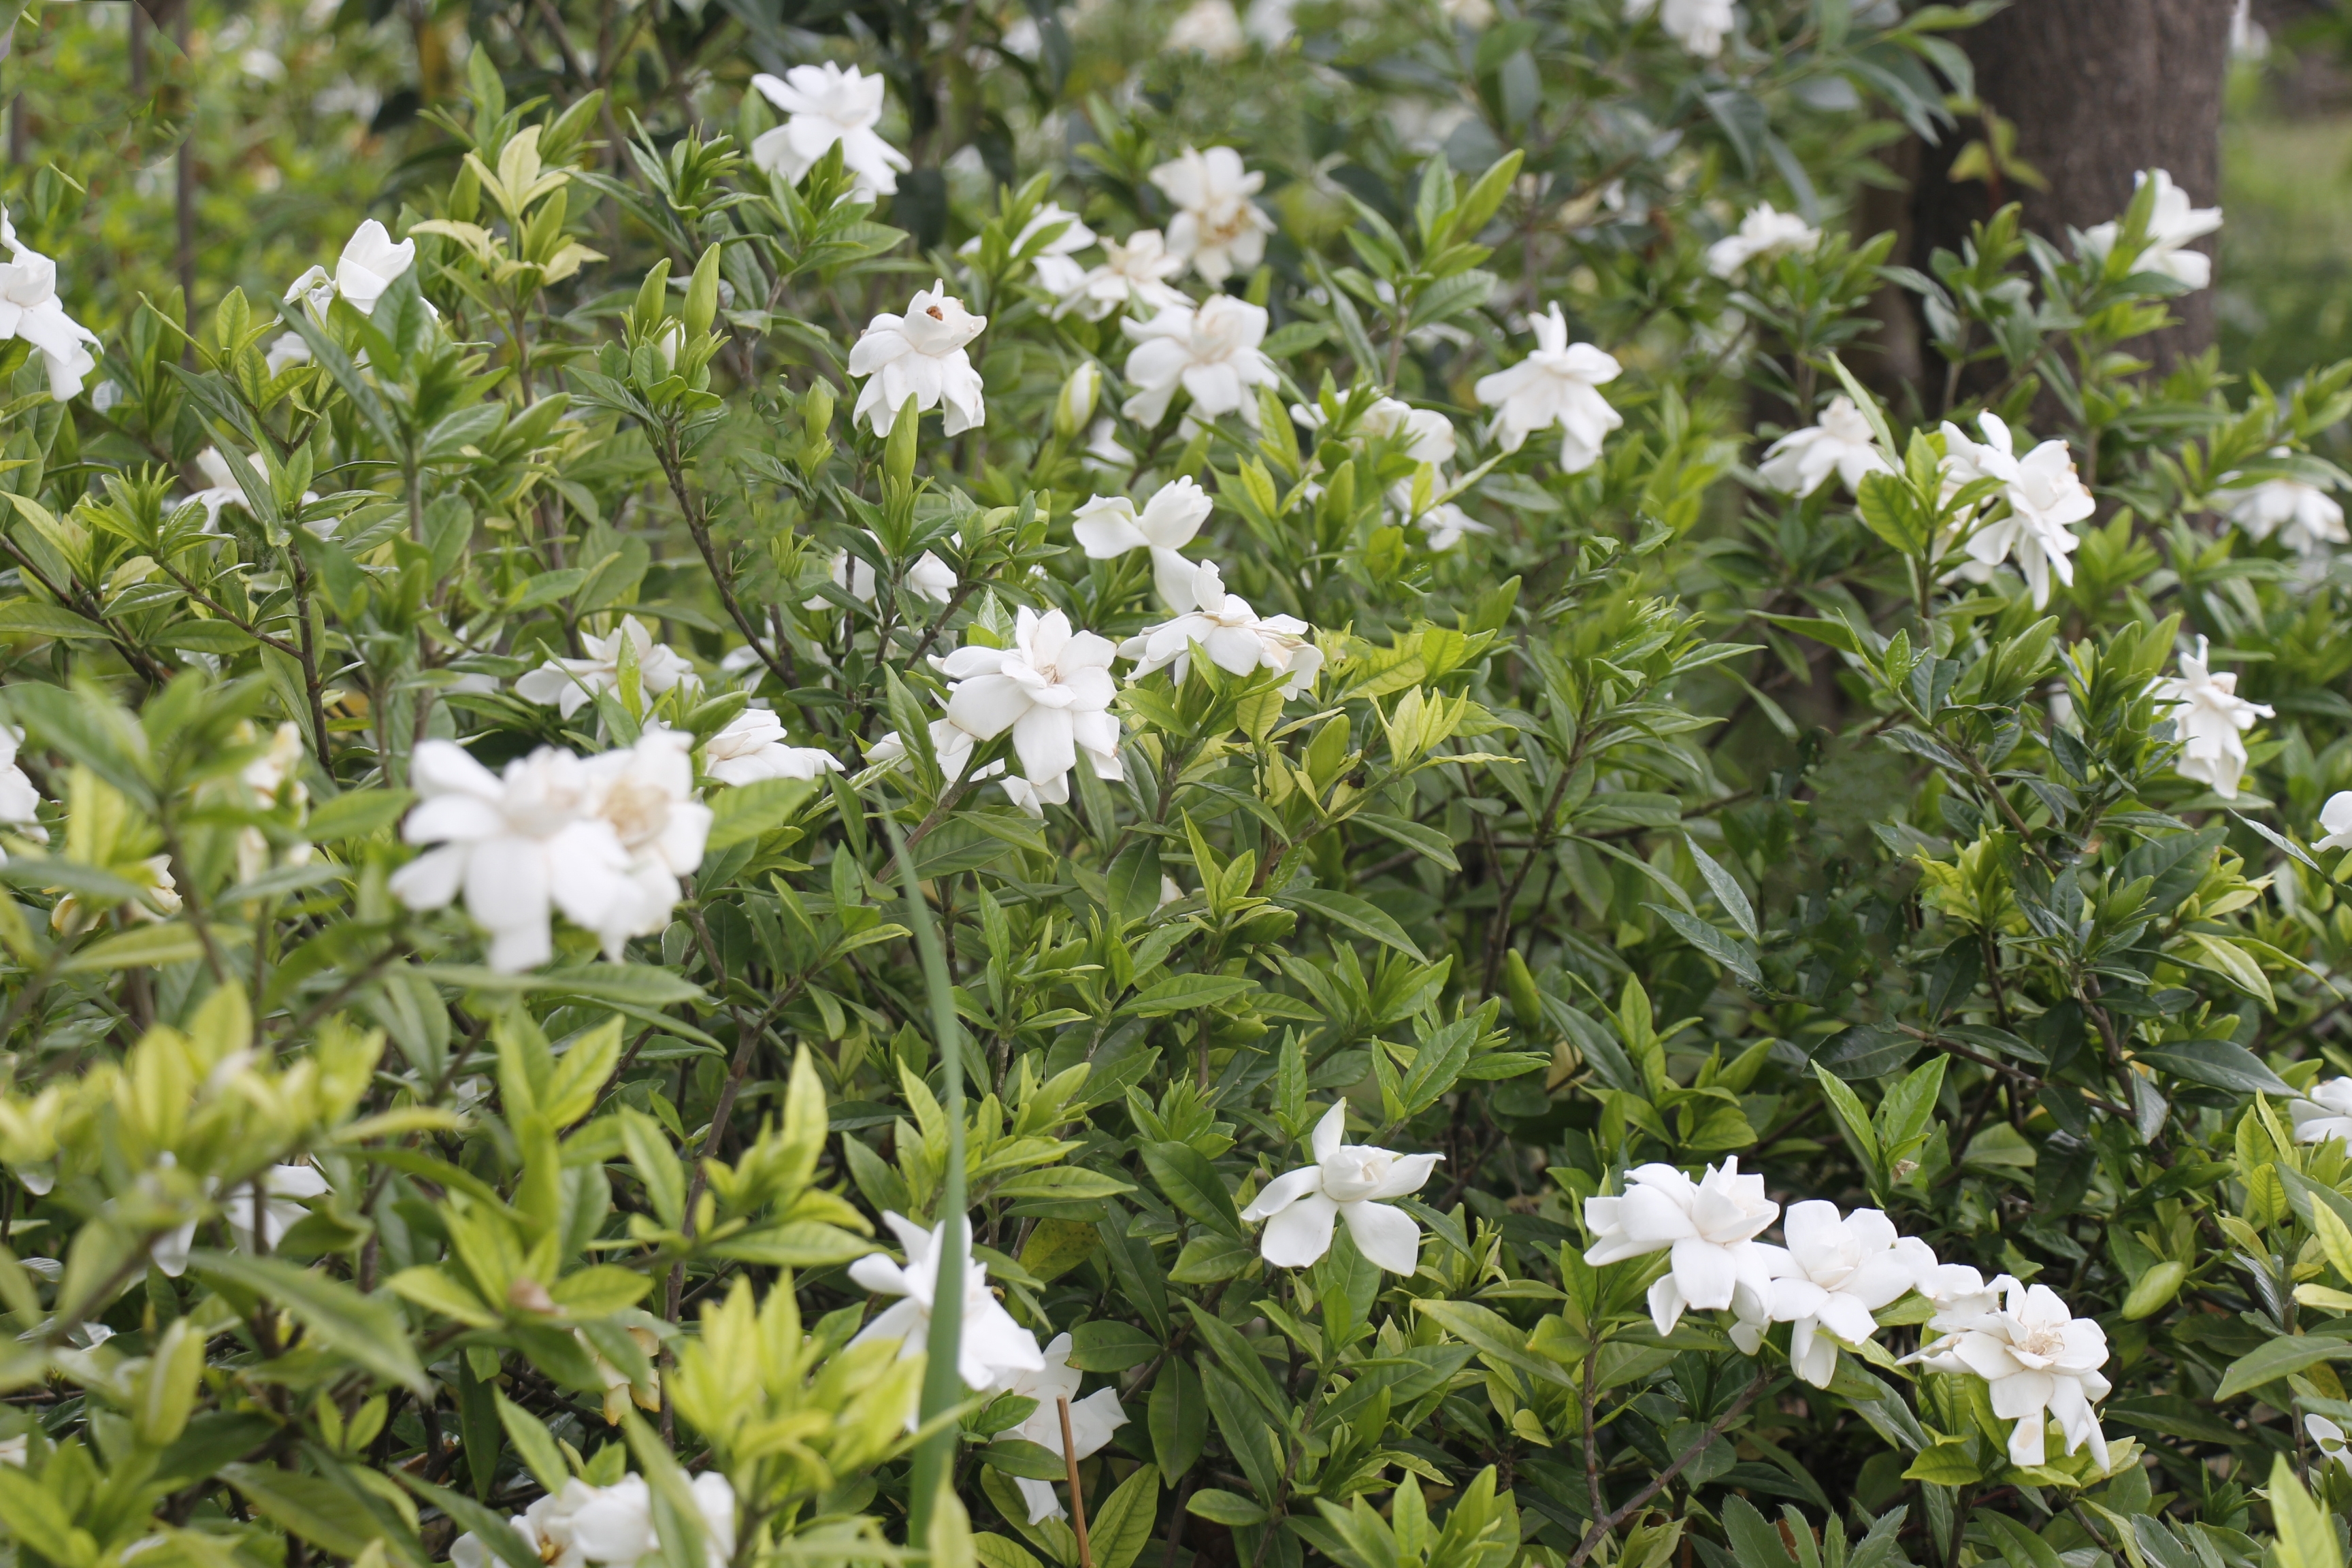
1052,688
1092,1421
647,794
752,748
2306,518
1444,525
20,802
1766,231
1428,436
2037,1359
572,683
927,577
1698,26
1802,462
30,310
1347,1181
953,748
1710,1227
827,104
1137,274
1212,354
2209,717
1213,27
514,845
368,266
1216,227
1055,272
1558,383
2336,816
1235,637
2171,227
282,1188
2044,493
286,350
920,355
577,1526
2324,1112
1107,527
994,1349
2326,1434
1828,1279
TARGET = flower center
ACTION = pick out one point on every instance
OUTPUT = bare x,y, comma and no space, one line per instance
1350,1175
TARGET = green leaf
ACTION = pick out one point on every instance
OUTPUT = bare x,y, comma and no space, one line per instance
534,1444
365,1330
2221,1063
1108,1345
1945,1463
1123,1526
1352,913
28,617
1018,1457
2275,1358
1183,993
141,947
355,814
1224,1508
1727,890
317,1510
486,1525
1184,1175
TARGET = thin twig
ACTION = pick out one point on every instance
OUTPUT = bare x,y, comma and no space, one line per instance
1077,1492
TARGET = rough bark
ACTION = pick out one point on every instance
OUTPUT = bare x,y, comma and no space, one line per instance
2098,90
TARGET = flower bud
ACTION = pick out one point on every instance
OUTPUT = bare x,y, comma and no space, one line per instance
1076,405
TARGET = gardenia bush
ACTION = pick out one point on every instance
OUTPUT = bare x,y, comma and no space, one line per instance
1014,796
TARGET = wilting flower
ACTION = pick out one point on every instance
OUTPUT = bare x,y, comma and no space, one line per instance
920,355
994,1349
20,802
1698,26
1558,383
1235,637
647,793
621,1391
2326,1434
1217,227
30,310
2336,816
1052,688
1802,462
1347,1181
1211,353
2170,227
2043,492
827,104
515,846
1213,27
1764,232
1136,273
1109,526
2326,1112
2306,519
161,903
1709,1228
572,683
1833,1275
577,1526
2036,1358
752,748
1092,1421
368,265
2210,717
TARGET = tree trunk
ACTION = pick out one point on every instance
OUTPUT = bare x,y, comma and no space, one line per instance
2098,90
